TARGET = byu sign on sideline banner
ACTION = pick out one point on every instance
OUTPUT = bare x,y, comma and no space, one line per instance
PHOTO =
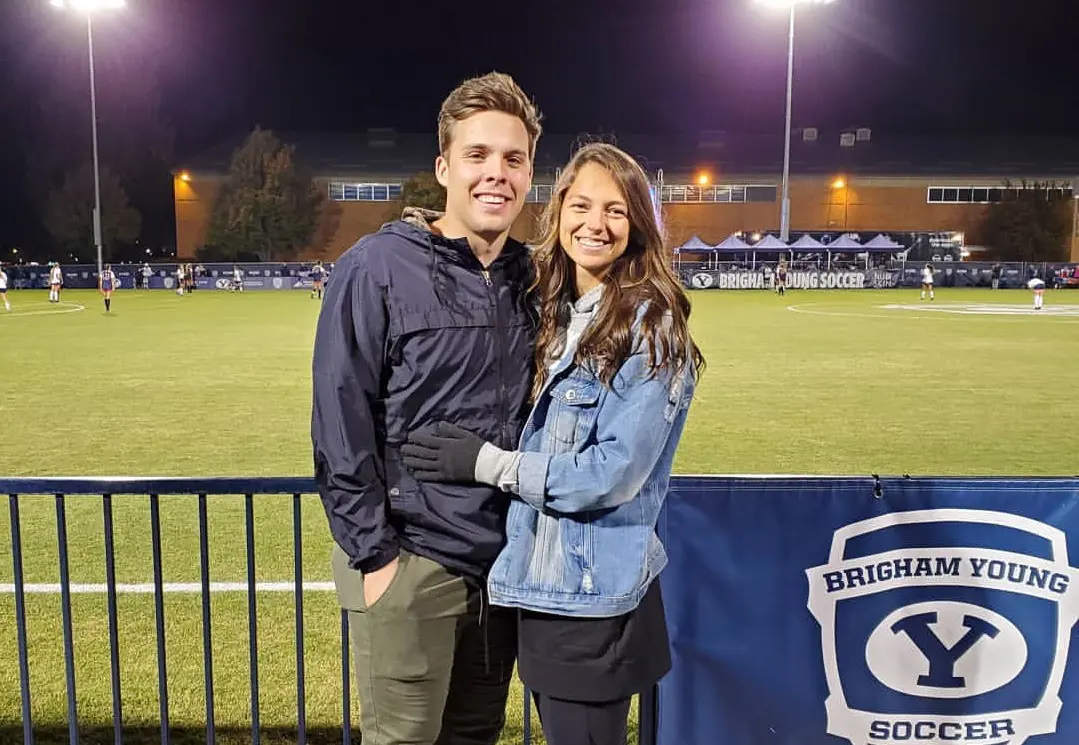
905,611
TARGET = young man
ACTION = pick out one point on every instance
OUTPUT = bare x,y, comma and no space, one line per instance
427,319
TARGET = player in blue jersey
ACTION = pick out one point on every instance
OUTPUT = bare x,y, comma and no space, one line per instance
107,281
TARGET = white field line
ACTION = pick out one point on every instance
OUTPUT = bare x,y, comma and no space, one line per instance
176,588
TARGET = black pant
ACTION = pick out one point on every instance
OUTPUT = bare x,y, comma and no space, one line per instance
583,723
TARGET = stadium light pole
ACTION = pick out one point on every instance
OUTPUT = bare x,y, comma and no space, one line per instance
792,5
89,7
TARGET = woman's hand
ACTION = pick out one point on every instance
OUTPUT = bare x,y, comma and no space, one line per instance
442,452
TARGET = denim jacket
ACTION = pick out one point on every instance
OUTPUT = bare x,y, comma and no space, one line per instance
591,480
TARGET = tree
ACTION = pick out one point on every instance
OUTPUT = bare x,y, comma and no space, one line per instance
1030,223
268,206
423,190
69,214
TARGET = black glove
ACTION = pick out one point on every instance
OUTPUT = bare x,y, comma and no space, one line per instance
442,452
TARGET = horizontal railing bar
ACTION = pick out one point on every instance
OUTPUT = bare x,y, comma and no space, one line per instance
238,486
97,485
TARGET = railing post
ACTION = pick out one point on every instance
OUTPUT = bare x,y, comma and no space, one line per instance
65,612
207,633
346,698
297,550
252,616
114,632
159,617
20,619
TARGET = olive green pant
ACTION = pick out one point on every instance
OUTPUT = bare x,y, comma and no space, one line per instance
432,664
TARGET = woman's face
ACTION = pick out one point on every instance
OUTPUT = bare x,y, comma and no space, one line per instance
594,225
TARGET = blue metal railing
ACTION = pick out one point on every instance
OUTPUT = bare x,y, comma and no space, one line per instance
154,488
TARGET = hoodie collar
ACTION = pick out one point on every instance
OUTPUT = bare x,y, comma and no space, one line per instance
424,219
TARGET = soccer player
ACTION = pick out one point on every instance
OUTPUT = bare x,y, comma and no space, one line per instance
106,283
237,279
1037,285
781,277
3,289
56,279
927,281
180,274
318,274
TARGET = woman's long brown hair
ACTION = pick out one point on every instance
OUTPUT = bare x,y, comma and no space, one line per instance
642,274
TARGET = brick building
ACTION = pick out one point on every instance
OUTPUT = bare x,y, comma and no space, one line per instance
712,186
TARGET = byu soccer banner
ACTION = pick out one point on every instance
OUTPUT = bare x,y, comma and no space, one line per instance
746,279
832,611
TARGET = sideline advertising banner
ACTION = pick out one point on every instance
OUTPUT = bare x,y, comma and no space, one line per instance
796,280
824,611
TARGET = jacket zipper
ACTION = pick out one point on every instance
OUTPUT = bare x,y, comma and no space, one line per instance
501,351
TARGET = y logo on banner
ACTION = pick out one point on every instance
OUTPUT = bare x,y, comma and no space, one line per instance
956,644
942,659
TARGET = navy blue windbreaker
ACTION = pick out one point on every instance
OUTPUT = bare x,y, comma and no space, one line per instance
412,331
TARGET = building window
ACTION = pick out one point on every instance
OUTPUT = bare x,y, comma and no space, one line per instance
540,193
348,192
718,193
984,194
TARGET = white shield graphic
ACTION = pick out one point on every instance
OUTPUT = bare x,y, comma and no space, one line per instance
983,633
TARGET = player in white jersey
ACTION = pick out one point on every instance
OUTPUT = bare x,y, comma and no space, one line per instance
1037,285
56,279
107,281
3,289
237,279
180,275
927,281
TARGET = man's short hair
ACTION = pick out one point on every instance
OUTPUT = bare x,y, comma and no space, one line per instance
494,91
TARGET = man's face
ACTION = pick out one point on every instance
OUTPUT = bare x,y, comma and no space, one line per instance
487,174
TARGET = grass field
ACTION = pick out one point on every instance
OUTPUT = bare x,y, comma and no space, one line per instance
219,384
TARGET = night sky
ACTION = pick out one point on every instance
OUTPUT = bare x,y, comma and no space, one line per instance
219,67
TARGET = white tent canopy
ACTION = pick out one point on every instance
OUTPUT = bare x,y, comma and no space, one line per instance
770,243
884,242
807,243
733,243
694,244
844,243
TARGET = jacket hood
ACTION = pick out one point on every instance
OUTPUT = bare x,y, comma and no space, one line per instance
417,225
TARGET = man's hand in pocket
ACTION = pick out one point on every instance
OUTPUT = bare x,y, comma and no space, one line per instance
375,583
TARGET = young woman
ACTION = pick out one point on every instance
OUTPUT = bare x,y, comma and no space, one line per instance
107,281
781,277
615,373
